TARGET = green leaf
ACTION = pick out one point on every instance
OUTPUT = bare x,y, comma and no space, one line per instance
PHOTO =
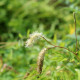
78,72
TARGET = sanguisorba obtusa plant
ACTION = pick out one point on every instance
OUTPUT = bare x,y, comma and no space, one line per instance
32,39
36,35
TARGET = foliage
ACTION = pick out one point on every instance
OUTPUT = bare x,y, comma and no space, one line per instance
54,18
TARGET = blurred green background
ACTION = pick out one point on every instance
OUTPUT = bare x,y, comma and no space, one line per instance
54,18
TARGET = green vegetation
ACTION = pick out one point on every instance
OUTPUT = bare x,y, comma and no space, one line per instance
55,20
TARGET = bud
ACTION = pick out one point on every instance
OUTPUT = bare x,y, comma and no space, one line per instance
40,60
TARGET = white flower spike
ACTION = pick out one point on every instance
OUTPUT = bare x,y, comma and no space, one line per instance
33,37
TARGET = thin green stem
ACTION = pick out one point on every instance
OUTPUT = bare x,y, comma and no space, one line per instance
75,29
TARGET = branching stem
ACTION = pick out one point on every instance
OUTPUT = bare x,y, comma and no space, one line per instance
58,46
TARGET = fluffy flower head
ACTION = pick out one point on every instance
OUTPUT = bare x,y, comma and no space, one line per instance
33,37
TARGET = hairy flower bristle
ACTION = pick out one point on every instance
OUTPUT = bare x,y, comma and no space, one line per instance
33,37
40,60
